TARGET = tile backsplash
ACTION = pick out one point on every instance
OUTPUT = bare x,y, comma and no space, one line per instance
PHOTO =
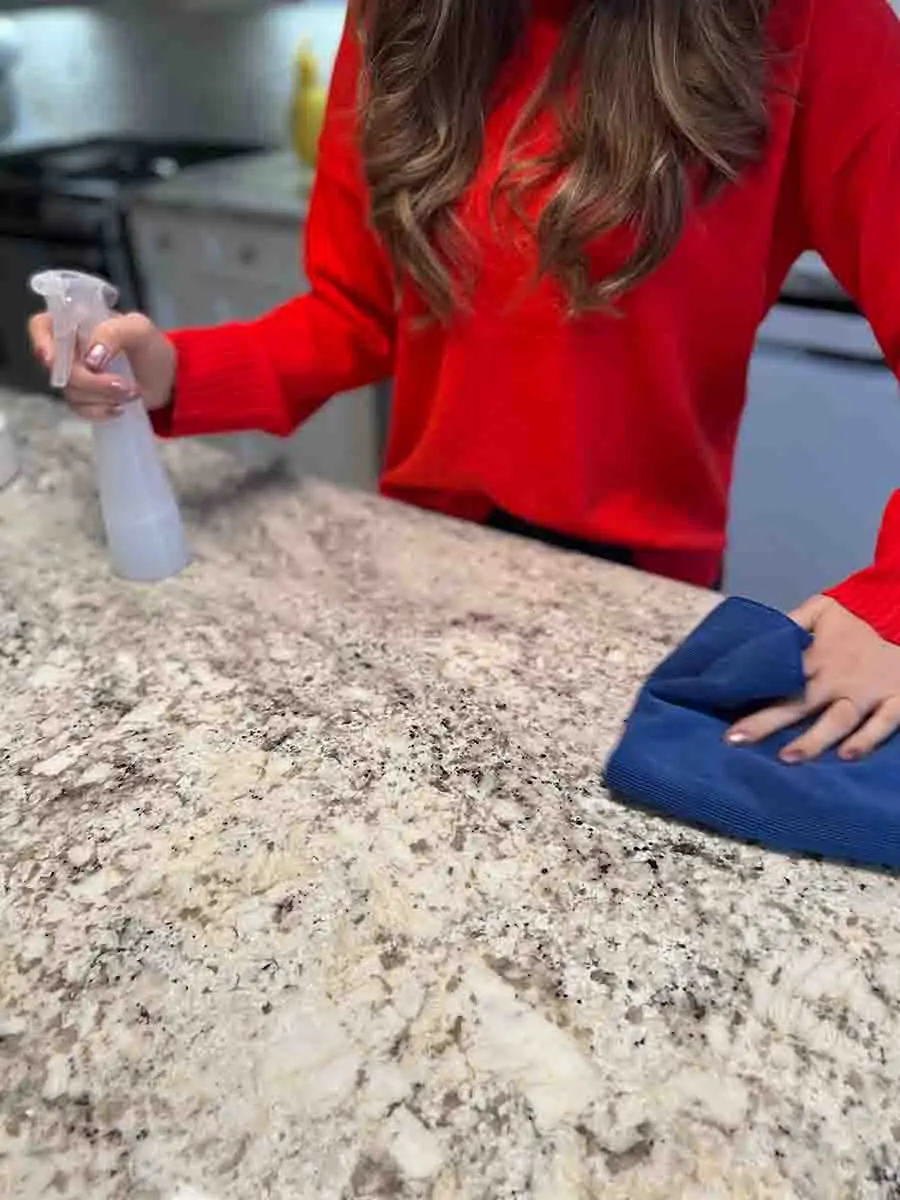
210,74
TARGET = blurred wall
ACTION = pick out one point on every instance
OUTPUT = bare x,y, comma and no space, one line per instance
207,74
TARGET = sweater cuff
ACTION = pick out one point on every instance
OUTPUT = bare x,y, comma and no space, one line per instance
221,386
873,595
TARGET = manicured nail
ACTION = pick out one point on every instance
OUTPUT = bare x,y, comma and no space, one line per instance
850,755
735,737
96,357
792,757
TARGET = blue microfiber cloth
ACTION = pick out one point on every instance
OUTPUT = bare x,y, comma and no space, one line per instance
672,758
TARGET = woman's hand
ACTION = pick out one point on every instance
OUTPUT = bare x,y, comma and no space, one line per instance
853,688
94,392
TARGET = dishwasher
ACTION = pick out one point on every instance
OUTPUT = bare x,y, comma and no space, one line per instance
819,450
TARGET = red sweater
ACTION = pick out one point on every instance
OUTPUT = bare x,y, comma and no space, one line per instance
617,429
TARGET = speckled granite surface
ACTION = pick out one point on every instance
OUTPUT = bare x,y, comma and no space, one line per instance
309,889
271,185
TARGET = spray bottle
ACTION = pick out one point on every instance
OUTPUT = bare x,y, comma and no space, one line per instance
143,525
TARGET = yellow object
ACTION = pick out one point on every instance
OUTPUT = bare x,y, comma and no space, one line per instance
307,106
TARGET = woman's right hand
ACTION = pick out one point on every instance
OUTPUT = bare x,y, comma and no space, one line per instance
94,392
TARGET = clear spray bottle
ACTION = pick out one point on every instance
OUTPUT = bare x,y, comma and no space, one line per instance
143,525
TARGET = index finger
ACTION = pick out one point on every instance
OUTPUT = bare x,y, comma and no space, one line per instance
766,721
40,334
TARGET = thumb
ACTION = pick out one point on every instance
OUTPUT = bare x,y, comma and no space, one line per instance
120,334
807,615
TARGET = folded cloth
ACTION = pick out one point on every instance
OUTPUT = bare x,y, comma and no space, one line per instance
672,757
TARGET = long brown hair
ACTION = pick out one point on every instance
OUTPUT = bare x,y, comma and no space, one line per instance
669,92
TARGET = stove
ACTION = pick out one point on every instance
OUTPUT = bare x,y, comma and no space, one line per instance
65,205
99,166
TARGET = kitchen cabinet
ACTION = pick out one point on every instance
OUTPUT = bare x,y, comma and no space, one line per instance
201,267
818,456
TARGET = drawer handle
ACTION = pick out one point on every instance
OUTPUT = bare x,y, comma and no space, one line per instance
248,256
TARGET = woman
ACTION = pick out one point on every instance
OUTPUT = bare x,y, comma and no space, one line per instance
558,224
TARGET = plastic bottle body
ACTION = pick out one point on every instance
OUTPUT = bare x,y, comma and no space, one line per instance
143,525
144,530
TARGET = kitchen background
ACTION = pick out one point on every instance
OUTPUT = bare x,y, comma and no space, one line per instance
224,71
196,81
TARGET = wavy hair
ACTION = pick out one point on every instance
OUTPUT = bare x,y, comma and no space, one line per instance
657,101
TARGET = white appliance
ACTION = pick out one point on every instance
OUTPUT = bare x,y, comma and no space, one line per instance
819,451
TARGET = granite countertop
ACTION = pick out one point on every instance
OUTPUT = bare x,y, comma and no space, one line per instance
310,889
271,185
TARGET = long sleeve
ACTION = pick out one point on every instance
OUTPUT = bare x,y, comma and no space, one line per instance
847,161
272,373
874,594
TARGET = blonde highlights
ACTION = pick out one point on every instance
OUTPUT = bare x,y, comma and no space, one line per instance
668,101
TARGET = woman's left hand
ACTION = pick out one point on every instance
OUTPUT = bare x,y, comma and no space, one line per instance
853,687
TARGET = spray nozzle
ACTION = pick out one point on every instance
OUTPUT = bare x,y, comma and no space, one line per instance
77,304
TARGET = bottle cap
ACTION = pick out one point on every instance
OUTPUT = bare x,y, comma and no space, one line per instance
77,304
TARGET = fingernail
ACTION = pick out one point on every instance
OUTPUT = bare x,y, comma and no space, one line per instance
96,357
792,757
850,755
735,737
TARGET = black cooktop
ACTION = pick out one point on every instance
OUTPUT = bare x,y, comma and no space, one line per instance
104,164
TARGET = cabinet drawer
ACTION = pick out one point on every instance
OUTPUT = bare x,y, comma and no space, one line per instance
180,299
162,238
341,443
222,246
264,254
